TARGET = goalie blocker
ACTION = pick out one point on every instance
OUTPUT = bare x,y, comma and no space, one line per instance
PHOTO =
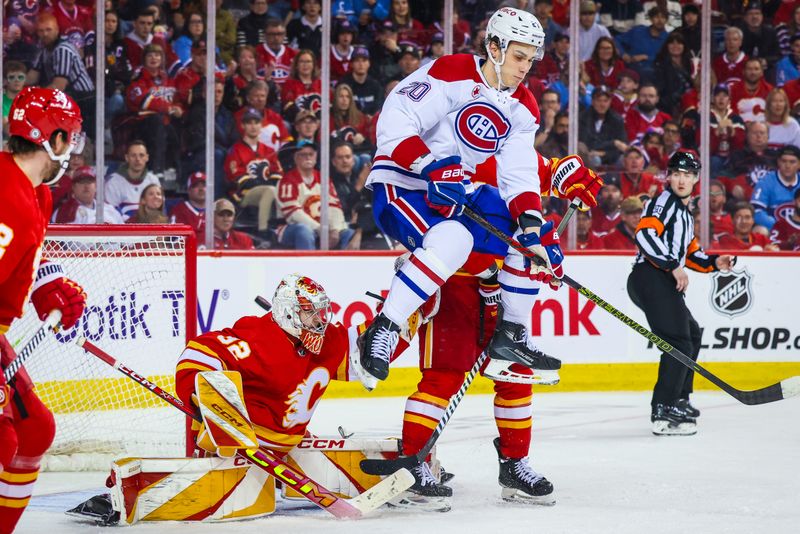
225,489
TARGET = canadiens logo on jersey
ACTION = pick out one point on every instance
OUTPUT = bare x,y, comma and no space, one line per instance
482,127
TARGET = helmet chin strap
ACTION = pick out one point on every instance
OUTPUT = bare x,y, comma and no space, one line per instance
63,161
497,65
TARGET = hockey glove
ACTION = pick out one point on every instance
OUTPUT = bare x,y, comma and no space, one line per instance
447,186
547,245
574,180
5,392
53,291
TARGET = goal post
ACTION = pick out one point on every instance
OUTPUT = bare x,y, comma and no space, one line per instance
140,282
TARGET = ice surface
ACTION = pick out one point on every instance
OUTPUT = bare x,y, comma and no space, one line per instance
738,474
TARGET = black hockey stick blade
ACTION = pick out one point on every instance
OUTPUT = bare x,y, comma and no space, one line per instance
383,467
782,390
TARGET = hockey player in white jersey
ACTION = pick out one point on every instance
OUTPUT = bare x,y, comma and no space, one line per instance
434,129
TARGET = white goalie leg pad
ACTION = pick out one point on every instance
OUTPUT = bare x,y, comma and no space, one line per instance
190,489
335,462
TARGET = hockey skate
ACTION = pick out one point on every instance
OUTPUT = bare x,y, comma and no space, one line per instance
97,509
377,344
514,358
521,483
670,420
426,494
686,406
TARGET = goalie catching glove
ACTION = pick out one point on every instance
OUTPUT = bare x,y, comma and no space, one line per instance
447,186
226,426
54,291
546,245
572,179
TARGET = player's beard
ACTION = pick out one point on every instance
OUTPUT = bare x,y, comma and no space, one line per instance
52,170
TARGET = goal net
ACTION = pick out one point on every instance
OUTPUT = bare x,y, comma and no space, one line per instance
141,306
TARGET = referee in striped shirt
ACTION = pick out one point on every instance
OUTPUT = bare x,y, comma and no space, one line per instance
60,66
666,242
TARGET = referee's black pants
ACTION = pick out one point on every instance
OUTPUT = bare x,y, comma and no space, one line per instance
653,290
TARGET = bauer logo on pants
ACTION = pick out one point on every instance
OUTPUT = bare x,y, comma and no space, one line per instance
731,292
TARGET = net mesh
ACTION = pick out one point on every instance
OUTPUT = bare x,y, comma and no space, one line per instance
136,294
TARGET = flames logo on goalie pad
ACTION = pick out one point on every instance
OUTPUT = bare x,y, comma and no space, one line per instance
482,127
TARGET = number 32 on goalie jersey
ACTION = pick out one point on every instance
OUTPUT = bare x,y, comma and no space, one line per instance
239,348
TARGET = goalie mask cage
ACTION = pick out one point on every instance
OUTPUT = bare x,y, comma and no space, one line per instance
140,282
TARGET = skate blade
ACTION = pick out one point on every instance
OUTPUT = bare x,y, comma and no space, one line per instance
665,428
412,501
537,377
520,497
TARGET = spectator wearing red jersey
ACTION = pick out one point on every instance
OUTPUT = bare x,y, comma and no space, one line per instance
743,237
606,214
729,66
783,128
300,198
555,61
655,155
151,96
349,124
605,65
274,56
190,80
303,88
408,28
75,22
622,236
225,237
81,207
626,94
560,12
645,115
749,96
151,207
273,131
252,169
191,210
721,221
586,238
633,180
141,36
342,49
786,231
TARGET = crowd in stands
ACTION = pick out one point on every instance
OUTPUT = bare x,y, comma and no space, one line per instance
638,100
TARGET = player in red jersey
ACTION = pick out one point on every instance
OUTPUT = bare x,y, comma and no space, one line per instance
45,129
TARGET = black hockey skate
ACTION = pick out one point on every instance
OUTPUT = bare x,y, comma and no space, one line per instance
521,483
686,406
377,344
671,420
510,348
97,509
426,494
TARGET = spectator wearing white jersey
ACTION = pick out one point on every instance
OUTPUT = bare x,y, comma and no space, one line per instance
125,186
81,207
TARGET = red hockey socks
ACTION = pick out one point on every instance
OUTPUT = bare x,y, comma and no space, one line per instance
513,415
426,406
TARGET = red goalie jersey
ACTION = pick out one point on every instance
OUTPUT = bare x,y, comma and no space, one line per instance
282,383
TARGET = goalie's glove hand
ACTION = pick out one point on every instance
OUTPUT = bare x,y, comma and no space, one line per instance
447,186
572,179
53,291
547,246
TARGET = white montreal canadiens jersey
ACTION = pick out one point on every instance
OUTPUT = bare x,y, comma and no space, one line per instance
450,106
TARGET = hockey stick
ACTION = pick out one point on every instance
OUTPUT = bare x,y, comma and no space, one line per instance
782,390
51,322
384,467
381,493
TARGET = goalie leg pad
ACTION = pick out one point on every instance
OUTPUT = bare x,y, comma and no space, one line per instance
226,423
190,489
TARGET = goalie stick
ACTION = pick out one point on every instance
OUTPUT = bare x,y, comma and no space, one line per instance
51,322
384,467
786,388
342,508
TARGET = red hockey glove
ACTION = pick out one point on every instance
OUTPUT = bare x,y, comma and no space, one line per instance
574,180
447,186
53,291
5,391
547,245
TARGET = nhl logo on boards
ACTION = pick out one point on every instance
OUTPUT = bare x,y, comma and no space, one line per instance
731,292
481,127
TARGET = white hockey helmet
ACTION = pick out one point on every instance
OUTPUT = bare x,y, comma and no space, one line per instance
303,310
508,25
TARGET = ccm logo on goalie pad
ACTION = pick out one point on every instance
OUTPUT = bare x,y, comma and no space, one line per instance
482,127
228,417
310,443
